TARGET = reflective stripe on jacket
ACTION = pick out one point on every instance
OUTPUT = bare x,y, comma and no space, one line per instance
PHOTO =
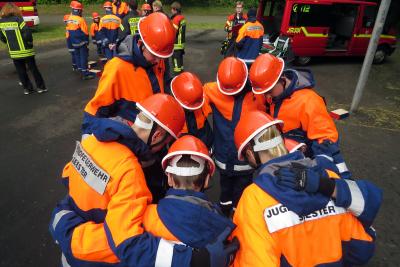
179,23
235,23
249,41
108,29
108,189
17,36
77,31
226,111
272,234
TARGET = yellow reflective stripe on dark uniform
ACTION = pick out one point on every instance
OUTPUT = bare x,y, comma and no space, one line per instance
22,25
133,24
179,44
8,25
20,41
15,42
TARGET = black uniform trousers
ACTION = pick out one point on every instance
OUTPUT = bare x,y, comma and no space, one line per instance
20,64
177,60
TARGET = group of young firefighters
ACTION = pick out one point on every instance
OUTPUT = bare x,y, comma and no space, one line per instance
120,19
137,178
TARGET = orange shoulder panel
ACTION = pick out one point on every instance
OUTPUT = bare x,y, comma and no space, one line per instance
120,79
153,224
223,103
257,247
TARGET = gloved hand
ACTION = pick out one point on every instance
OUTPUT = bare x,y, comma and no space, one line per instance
221,253
94,42
302,178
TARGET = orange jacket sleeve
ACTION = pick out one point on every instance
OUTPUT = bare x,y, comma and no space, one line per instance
257,247
89,243
127,206
84,27
316,121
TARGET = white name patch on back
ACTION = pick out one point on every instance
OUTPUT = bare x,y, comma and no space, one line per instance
93,175
279,217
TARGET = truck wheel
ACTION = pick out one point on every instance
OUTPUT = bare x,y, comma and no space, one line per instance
380,55
302,61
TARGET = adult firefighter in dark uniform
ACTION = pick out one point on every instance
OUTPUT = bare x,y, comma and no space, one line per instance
18,38
129,22
179,22
232,27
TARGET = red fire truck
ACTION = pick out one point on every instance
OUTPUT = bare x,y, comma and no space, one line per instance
325,27
29,11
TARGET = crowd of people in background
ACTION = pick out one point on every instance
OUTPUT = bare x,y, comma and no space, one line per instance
107,32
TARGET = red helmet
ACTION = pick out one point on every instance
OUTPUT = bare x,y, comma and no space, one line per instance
76,5
188,145
157,34
146,7
95,15
107,4
232,76
252,124
265,73
188,90
165,111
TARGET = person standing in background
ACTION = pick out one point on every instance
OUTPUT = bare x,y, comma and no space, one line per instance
108,31
78,36
120,8
94,33
19,40
130,22
179,22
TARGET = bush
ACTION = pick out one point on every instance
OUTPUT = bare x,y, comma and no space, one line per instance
208,3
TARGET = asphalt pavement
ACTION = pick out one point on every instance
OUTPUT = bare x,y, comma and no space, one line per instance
38,133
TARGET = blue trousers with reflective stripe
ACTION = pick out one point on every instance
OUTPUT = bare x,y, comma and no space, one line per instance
81,58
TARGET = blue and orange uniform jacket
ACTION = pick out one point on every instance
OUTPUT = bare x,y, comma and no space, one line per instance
249,40
77,31
108,29
307,120
278,226
197,125
121,10
126,79
94,31
108,195
226,111
186,216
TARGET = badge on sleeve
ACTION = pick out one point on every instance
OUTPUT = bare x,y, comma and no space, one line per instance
92,174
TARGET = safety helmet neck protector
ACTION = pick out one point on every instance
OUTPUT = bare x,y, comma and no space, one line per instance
196,149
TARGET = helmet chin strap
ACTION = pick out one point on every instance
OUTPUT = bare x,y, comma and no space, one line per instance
255,153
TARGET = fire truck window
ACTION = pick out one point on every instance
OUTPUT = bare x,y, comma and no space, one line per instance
369,16
310,15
